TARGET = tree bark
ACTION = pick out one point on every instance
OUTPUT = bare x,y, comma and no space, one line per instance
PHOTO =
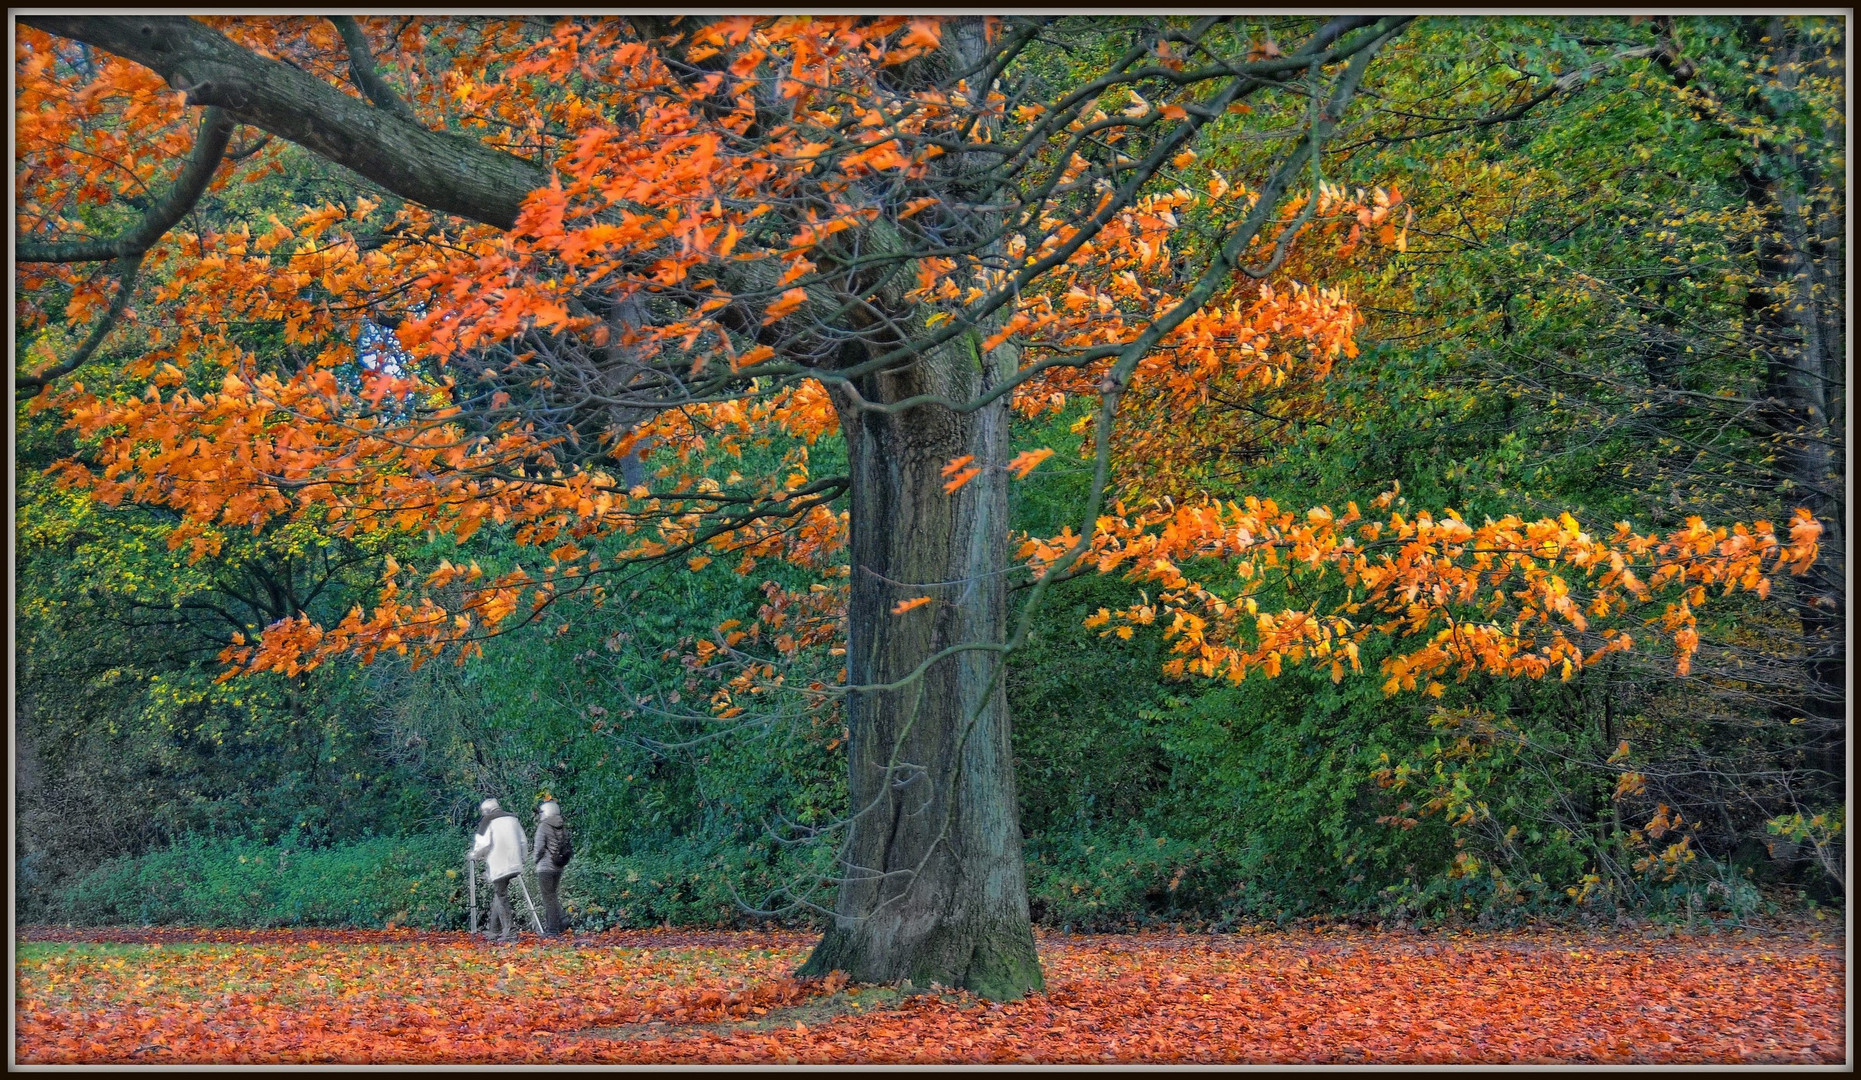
933,886
1796,322
1802,369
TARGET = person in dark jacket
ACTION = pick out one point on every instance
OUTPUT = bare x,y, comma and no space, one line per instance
552,853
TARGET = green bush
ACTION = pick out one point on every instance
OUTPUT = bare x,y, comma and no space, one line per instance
718,884
1118,878
407,880
413,881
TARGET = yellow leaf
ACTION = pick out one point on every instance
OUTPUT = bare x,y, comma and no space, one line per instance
1630,783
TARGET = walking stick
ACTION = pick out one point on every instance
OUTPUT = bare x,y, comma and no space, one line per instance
471,891
535,919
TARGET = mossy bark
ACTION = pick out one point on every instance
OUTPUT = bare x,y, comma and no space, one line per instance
933,885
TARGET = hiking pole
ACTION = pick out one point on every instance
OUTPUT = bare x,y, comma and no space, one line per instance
535,919
471,891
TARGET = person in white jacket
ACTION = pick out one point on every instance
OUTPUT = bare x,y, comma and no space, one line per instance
499,842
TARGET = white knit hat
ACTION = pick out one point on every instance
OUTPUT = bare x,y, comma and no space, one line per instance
487,806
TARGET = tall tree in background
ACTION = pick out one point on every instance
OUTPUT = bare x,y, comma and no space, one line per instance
602,239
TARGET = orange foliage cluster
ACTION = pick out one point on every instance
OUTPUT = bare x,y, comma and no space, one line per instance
1178,424
1507,597
91,136
665,190
275,448
659,191
667,996
1253,336
645,206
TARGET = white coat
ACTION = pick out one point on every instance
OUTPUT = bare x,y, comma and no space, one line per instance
501,846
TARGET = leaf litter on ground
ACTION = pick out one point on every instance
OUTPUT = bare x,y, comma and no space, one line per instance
176,995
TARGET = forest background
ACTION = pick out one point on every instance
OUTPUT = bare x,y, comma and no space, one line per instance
1579,234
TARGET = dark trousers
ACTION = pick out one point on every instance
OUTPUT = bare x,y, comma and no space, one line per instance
502,922
554,922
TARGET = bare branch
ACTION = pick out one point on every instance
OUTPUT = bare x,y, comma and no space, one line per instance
362,70
125,288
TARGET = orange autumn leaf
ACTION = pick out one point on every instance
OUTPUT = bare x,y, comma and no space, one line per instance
787,302
906,605
1026,461
924,33
960,471
961,478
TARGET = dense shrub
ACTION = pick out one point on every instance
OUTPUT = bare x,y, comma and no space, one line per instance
411,881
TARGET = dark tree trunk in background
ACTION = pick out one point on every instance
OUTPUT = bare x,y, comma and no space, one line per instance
1797,308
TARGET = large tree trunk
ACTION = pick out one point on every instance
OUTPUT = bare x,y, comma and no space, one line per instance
932,881
933,885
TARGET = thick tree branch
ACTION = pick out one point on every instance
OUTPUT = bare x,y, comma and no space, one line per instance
446,172
362,69
216,129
